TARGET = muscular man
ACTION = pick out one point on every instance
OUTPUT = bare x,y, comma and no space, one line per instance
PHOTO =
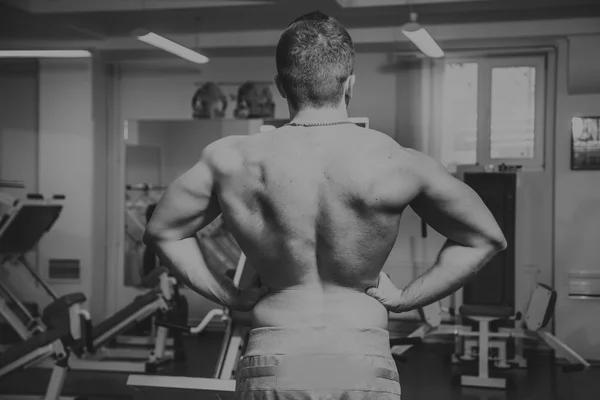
316,207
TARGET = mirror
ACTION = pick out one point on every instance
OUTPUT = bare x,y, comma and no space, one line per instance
156,153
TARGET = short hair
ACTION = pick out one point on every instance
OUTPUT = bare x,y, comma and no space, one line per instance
315,56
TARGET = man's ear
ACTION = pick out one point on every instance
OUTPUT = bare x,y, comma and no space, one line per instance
349,88
279,85
350,85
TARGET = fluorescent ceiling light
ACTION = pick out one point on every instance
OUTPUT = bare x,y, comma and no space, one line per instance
421,38
175,48
44,54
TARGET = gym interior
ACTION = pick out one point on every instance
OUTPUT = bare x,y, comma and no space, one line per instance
98,115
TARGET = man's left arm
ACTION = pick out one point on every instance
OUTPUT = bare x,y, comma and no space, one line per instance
188,205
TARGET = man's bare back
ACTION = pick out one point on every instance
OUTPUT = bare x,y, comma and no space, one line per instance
316,211
316,208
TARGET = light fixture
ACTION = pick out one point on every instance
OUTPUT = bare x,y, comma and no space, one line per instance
172,47
45,54
421,38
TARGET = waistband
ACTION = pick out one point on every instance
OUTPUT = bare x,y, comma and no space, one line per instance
319,340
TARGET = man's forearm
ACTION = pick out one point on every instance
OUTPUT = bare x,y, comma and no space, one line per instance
184,258
454,266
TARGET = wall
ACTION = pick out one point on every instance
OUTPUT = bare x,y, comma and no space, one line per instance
577,199
187,139
66,164
152,139
18,123
19,151
160,91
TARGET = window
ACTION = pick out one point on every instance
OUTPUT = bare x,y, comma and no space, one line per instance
492,111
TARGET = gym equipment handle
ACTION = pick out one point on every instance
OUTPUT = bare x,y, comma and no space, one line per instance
88,335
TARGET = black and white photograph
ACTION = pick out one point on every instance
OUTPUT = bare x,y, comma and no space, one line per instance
299,199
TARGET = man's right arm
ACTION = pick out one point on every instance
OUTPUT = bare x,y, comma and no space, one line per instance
473,237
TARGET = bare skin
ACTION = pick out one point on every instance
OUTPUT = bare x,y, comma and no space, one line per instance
317,212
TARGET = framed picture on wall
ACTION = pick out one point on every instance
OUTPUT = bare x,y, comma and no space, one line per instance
585,143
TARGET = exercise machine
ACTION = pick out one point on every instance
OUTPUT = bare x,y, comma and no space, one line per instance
22,226
223,381
66,323
236,330
157,303
489,329
485,344
539,313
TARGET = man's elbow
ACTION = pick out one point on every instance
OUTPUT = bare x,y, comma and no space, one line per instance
151,236
156,233
498,243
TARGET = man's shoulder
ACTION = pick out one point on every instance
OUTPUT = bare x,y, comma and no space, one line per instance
225,154
391,147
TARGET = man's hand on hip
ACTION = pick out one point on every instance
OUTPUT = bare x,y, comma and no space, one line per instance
386,293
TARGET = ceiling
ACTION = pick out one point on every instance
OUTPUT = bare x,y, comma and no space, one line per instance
102,19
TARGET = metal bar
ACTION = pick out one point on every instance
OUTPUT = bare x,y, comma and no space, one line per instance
159,345
16,301
38,278
563,350
224,348
183,383
233,353
27,359
140,341
484,329
126,354
78,364
56,384
12,184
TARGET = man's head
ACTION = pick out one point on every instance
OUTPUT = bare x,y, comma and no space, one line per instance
315,62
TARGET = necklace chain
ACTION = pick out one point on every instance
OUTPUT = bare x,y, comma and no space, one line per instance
309,124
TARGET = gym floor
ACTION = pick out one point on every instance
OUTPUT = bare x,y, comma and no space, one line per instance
424,375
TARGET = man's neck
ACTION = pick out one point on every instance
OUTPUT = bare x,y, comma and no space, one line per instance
314,115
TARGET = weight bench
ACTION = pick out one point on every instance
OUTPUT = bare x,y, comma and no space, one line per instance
22,225
66,323
539,313
148,305
484,315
